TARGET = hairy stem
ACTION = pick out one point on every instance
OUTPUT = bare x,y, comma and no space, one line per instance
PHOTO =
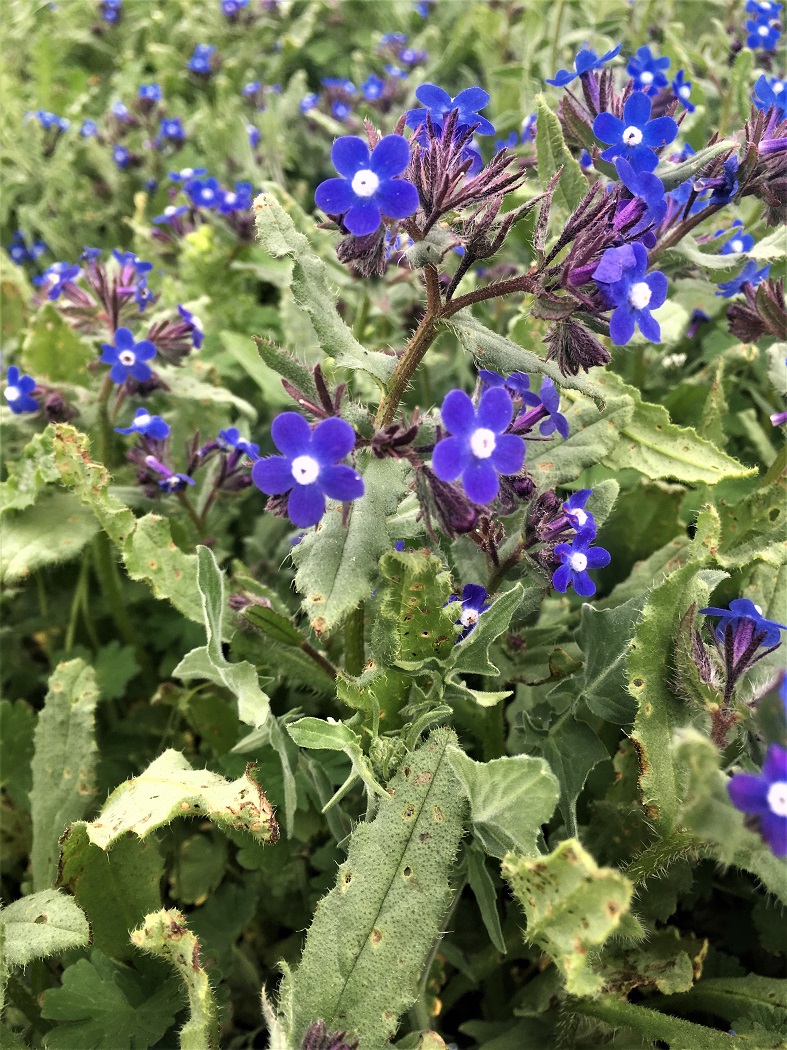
354,658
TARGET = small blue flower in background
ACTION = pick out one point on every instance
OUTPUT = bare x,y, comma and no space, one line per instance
89,129
763,8
621,276
748,275
681,89
150,93
186,174
510,143
121,156
49,120
517,385
555,421
111,10
438,104
90,254
396,72
309,469
56,277
172,128
171,212
139,266
169,481
744,618
368,188
372,87
473,604
479,449
238,199
143,423
529,125
636,137
254,135
17,249
251,88
230,438
764,796
577,557
579,518
308,102
738,242
584,62
128,357
232,8
769,93
120,110
724,186
205,194
341,110
18,390
195,325
200,61
647,71
762,33
340,83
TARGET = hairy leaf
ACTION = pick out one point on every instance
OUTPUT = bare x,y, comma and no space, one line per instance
605,636
56,529
553,153
471,655
45,923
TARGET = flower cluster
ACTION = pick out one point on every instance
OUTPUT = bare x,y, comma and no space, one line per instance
19,252
763,27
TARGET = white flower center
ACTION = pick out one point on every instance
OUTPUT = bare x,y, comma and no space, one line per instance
764,30
170,210
12,393
736,245
777,798
207,195
483,443
758,608
127,357
365,183
639,296
580,516
578,561
196,323
632,136
646,78
469,617
142,420
777,88
230,198
684,91
305,470
187,173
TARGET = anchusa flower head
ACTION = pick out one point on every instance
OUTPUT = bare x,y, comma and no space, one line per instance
585,61
308,102
128,357
369,187
231,9
238,199
636,137
372,88
254,135
18,391
122,156
769,92
474,603
144,423
681,89
111,10
309,469
580,519
231,439
748,275
763,8
170,214
763,796
150,93
738,240
167,479
743,630
763,32
633,294
724,186
19,251
56,278
546,412
647,71
479,448
48,120
187,174
201,61
576,558
89,129
171,128
194,326
205,193
437,103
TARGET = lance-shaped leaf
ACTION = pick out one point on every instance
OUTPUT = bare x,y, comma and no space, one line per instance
208,661
54,530
164,933
553,153
471,655
604,636
43,924
673,175
336,561
654,1025
510,798
371,934
312,292
571,905
64,763
320,735
755,527
733,998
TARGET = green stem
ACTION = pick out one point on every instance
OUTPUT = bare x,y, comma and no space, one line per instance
658,856
318,657
422,339
105,434
188,506
354,658
655,1026
561,10
76,605
359,327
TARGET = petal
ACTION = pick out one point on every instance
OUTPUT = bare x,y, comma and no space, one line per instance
340,482
658,284
748,793
649,326
561,78
549,395
390,156
485,127
450,458
118,373
474,595
642,158
598,557
561,578
472,98
509,454
774,831
621,326
305,506
331,441
484,374
291,434
583,585
637,109
145,350
397,198
273,475
363,218
334,196
480,480
613,151
12,376
494,410
608,128
458,414
610,54
434,97
349,154
775,765
141,372
124,339
659,132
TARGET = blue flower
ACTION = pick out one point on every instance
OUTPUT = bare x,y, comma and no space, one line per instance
577,557
341,110
232,8
769,93
621,276
473,604
186,174
128,357
743,616
579,518
649,202
511,142
762,33
738,242
200,61
89,129
517,385
172,128
308,102
194,324
555,421
681,89
238,199
583,63
309,469
647,71
150,93
748,275
127,259
143,423
724,186
251,88
368,188
56,277
438,104
205,194
479,449
396,72
339,83
231,438
90,254
372,87
763,8
121,156
171,212
765,797
18,390
254,135
17,249
169,481
636,137
49,120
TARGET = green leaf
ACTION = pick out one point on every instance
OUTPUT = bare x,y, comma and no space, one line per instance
312,292
605,636
337,562
165,934
273,733
64,763
288,367
665,963
29,474
184,384
741,83
572,749
17,726
770,249
716,264
553,153
251,360
672,175
483,887
56,529
559,890
40,925
471,655
510,798
754,528
53,351
734,998
322,735
371,934
278,627
208,661
654,1025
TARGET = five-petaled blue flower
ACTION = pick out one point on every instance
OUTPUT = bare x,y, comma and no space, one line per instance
738,242
744,614
762,33
121,156
583,63
479,449
89,129
647,71
621,276
172,128
368,187
579,518
681,89
473,604
636,137
200,61
517,385
143,423
372,87
56,277
230,438
550,400
149,93
18,390
577,557
169,481
769,93
765,797
194,324
438,104
748,275
309,469
128,357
